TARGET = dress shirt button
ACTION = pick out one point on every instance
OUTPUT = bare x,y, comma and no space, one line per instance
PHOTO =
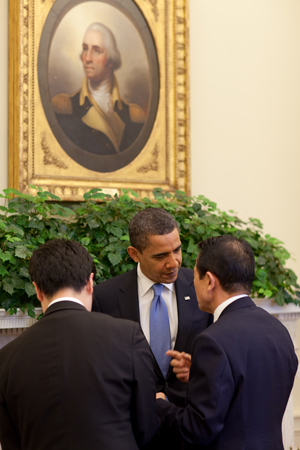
166,385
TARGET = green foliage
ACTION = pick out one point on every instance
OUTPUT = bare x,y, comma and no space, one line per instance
26,222
100,223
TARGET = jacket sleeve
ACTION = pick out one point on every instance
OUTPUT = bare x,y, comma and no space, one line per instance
210,391
145,420
9,438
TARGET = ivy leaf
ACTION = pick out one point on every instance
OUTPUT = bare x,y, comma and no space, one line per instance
261,260
31,313
92,222
192,247
201,230
114,258
7,256
262,274
16,282
22,252
8,288
38,224
3,271
116,231
252,242
11,191
29,289
85,241
3,226
24,272
279,298
268,293
15,230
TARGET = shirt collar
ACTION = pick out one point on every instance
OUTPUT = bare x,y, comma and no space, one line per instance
65,299
115,93
145,283
218,311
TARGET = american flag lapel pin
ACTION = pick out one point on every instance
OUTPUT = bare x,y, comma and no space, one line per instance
187,298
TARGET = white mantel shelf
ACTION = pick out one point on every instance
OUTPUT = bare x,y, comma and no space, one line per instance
19,320
11,326
273,308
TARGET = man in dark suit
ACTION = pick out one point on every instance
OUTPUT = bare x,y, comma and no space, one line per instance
242,367
156,247
75,380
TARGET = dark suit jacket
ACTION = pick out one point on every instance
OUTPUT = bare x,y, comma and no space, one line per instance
77,380
242,373
118,297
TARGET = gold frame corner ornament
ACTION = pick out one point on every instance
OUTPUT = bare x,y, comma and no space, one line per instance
36,154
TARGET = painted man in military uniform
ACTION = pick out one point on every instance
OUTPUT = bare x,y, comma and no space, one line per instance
96,118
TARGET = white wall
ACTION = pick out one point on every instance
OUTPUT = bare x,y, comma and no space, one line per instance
245,112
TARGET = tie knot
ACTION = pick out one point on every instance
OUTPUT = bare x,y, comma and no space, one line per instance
157,288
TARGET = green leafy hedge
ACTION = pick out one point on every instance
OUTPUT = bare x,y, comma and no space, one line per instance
100,223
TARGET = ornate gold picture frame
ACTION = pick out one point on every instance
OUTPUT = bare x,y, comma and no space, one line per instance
59,137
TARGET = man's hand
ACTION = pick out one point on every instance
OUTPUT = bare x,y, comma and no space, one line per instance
181,363
160,395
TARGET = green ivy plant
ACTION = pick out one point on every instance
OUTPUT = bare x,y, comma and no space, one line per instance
26,222
100,223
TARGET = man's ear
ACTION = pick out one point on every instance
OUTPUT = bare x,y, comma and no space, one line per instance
212,280
90,284
133,253
39,293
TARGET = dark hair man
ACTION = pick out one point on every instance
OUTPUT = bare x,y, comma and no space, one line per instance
242,367
156,247
75,380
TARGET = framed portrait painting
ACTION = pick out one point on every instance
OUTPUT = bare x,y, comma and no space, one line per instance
98,96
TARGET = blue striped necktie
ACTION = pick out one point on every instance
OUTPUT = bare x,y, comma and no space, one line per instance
160,338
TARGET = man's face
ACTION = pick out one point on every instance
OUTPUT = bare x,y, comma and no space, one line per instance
202,291
94,57
161,259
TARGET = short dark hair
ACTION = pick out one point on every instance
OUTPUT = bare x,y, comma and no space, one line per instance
230,259
60,264
150,221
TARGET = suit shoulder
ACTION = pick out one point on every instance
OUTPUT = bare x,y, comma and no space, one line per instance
116,324
188,274
62,103
114,281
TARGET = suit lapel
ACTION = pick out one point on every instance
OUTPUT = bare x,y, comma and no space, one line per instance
128,301
128,297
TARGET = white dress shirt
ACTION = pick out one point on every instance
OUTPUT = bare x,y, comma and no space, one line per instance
65,299
146,294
